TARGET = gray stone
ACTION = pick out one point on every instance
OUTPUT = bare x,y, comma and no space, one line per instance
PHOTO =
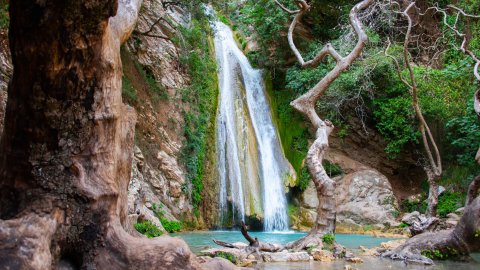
301,256
362,197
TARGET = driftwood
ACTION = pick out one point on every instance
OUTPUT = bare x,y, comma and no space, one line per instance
253,243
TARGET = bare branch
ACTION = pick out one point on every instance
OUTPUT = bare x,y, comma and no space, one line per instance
286,9
397,65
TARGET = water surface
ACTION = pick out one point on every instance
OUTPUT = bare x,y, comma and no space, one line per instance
203,239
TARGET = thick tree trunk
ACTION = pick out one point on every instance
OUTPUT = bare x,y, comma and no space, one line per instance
432,194
65,156
463,240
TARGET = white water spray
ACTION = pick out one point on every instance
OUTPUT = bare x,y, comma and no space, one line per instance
248,145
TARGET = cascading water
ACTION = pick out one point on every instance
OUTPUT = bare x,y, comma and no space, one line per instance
249,151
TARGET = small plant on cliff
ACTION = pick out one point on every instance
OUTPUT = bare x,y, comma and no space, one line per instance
4,18
201,95
148,228
170,226
128,91
328,239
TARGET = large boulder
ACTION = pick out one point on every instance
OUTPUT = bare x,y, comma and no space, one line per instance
363,197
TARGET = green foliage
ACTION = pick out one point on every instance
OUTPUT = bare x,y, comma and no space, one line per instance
368,228
201,95
147,228
227,256
293,134
436,254
408,206
463,134
450,201
303,179
128,91
170,226
156,90
395,122
328,238
269,23
403,225
4,17
292,209
332,169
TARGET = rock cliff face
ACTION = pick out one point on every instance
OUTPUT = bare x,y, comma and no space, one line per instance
158,178
5,74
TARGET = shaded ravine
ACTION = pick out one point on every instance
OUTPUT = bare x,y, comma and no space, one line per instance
251,163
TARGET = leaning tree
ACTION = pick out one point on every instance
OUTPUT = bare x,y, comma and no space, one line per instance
433,166
465,237
65,154
305,104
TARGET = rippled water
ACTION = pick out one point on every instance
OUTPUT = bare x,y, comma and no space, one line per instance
203,239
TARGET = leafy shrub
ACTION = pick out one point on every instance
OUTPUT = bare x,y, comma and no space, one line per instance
128,92
170,226
227,256
148,228
450,201
403,225
157,90
328,239
463,135
436,254
304,179
332,169
408,206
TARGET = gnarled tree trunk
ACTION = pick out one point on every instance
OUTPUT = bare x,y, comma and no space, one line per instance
65,156
305,104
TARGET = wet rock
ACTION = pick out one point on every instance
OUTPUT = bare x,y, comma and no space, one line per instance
217,264
239,255
420,223
322,255
369,251
285,256
365,197
349,267
355,260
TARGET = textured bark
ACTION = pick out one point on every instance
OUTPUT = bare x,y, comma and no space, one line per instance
305,104
461,241
67,147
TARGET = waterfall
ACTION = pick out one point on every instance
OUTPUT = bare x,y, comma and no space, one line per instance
251,163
